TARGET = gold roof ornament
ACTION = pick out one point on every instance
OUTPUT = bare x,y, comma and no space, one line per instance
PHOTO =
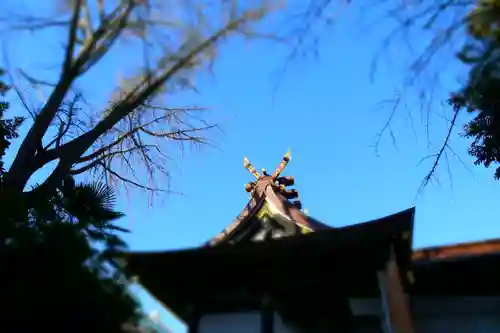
247,165
284,162
249,187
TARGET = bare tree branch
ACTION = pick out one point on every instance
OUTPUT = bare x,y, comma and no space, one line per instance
136,184
441,24
122,133
437,157
71,70
64,126
70,49
387,125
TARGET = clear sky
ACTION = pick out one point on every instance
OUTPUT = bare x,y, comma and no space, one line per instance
328,112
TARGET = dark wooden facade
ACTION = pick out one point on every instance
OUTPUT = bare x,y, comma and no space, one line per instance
279,265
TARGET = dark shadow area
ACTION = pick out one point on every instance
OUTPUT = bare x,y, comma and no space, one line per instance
56,272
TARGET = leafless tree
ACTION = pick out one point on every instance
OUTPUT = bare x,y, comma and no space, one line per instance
444,22
179,40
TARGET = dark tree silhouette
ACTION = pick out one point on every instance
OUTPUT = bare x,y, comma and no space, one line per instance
481,94
55,275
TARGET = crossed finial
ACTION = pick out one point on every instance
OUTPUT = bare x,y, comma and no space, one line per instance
280,183
277,172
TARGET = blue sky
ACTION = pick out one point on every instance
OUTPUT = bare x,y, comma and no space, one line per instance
328,112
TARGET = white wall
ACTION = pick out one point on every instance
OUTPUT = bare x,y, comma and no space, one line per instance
431,315
457,324
457,314
444,314
231,323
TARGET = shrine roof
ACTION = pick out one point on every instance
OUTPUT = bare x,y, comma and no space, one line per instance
316,256
270,195
346,257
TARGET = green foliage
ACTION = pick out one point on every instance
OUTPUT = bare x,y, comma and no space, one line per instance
8,127
50,284
482,22
482,98
56,277
481,94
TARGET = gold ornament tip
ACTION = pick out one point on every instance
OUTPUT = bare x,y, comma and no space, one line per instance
246,162
288,154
